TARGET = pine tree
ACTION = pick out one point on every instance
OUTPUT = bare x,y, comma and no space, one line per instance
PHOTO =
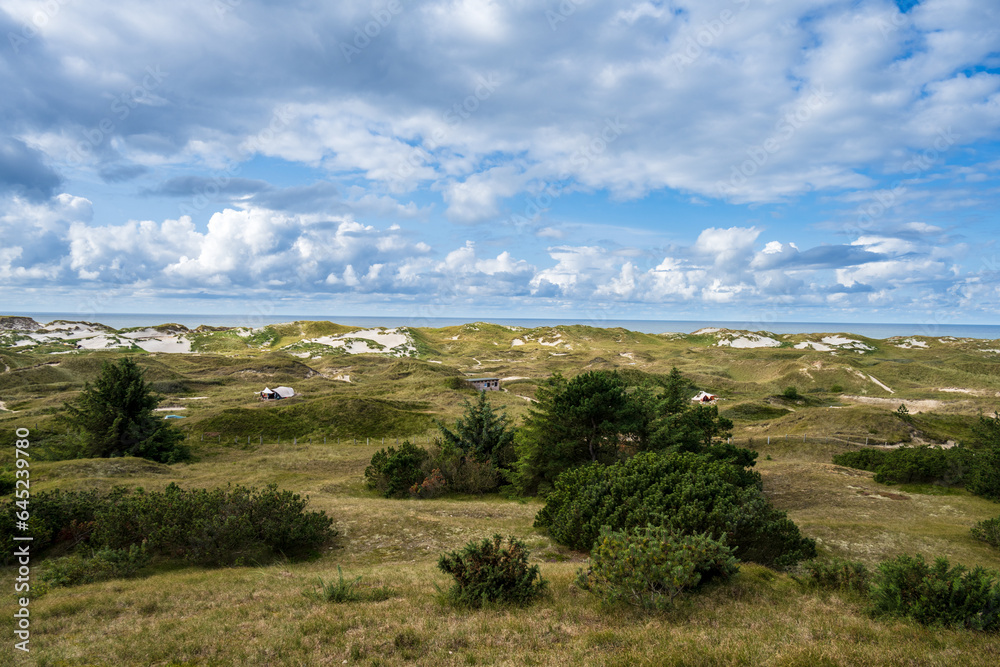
481,433
115,417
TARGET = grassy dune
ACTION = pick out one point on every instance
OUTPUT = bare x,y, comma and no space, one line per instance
258,615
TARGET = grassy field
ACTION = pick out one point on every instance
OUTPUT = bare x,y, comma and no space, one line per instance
259,615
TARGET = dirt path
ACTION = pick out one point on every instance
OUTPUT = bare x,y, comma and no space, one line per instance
913,405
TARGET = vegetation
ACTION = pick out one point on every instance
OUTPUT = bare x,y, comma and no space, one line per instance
988,530
393,472
759,616
688,493
222,526
937,594
487,572
836,574
114,417
649,567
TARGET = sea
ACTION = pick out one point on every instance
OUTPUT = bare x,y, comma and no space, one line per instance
868,329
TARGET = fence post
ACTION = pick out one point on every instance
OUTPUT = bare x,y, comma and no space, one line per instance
368,441
295,440
203,436
262,438
769,440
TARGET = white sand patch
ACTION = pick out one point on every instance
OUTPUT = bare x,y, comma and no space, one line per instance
169,409
840,341
627,355
959,390
3,407
193,398
991,351
876,381
556,341
515,377
911,343
432,361
527,398
343,377
921,405
300,355
516,342
819,347
706,330
166,344
102,342
749,341
558,354
455,337
393,342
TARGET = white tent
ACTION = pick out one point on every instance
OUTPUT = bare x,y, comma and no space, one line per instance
705,397
280,392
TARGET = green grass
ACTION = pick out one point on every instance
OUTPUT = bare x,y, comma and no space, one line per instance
258,615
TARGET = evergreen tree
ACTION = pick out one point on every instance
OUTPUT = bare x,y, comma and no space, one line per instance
481,433
115,417
591,418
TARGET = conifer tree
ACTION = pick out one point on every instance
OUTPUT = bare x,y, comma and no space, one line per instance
115,417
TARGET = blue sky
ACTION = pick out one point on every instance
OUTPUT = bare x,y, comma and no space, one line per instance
740,160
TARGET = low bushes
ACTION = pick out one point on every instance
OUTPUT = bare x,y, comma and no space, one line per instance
937,594
393,472
208,527
649,567
487,572
100,565
685,492
835,574
988,531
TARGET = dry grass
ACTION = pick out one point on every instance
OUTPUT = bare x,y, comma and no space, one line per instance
259,615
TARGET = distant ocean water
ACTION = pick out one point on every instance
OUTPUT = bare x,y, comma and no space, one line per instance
871,330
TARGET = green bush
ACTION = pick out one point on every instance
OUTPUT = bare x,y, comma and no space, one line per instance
56,516
101,565
791,393
649,567
988,531
937,594
863,459
835,574
212,527
487,572
7,483
393,472
836,389
984,473
688,493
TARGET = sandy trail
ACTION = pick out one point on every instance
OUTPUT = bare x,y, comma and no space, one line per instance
913,405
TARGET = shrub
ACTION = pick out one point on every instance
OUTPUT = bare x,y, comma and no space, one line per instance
649,567
937,594
791,393
52,513
988,531
984,473
101,565
688,493
432,486
835,574
836,389
212,527
863,459
392,472
7,483
487,572
464,474
909,465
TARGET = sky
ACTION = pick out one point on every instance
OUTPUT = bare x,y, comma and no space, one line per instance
751,160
